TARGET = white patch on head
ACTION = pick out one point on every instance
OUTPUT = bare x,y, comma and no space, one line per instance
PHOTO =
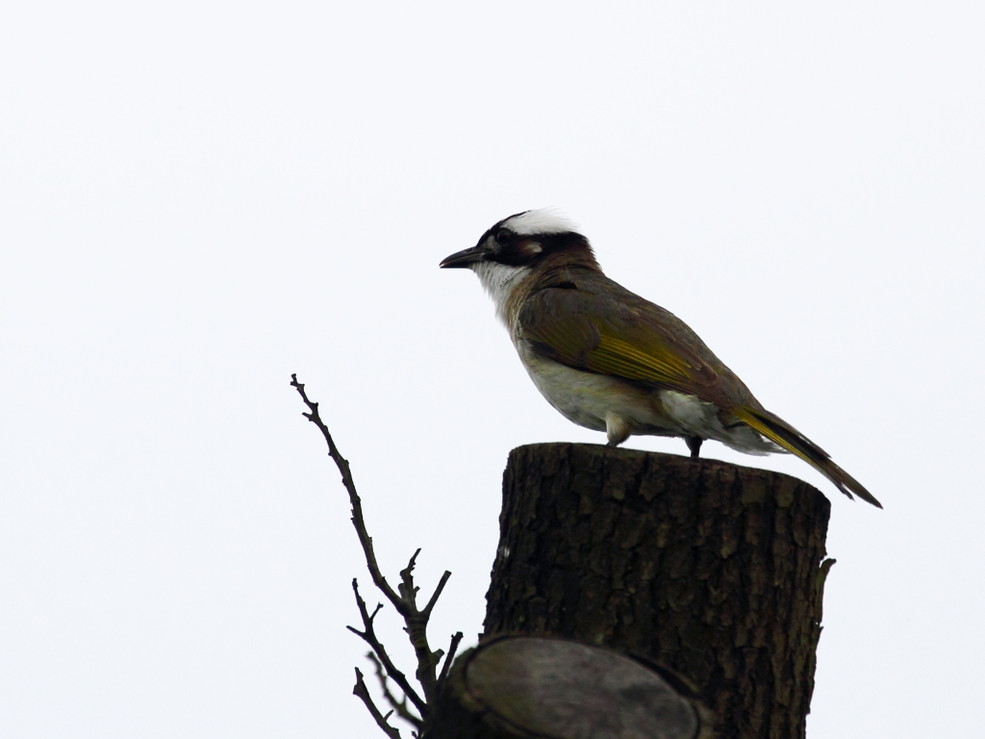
542,221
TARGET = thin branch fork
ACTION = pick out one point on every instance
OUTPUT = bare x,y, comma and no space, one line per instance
403,599
369,636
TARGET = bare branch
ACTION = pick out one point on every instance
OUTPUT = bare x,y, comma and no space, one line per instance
362,692
407,589
416,627
452,649
400,706
365,540
403,599
437,594
369,636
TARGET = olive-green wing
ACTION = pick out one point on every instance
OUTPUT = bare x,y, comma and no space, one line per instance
615,332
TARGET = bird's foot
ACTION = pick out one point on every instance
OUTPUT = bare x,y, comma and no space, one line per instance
694,444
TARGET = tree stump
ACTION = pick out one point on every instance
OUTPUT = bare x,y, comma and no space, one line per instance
524,687
713,570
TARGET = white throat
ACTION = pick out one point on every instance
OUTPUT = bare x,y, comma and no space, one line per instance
499,280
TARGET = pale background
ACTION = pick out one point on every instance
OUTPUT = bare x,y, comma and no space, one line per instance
197,199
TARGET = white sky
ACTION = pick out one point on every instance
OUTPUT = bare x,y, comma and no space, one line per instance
197,199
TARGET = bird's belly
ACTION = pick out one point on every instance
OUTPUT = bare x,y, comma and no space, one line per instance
622,408
588,399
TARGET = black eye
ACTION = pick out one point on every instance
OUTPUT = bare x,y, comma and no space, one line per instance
503,236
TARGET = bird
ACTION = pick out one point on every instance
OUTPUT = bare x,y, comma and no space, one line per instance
610,360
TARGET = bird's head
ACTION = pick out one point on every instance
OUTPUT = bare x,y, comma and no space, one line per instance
524,243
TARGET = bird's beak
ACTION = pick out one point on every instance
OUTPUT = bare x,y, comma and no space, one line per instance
466,257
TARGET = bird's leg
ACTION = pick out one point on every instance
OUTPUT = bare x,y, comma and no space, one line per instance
694,444
616,429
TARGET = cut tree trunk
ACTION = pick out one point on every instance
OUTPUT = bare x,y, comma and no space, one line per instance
529,687
712,570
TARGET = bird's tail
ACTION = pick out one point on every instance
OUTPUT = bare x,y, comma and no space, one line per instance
783,434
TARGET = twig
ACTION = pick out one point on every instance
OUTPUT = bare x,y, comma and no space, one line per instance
362,692
400,706
404,601
365,540
416,627
437,594
452,649
369,636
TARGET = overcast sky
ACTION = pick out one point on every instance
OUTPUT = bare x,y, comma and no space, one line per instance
197,199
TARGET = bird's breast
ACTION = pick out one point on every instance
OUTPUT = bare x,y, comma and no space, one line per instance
587,398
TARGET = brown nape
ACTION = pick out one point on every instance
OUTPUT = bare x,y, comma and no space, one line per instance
569,250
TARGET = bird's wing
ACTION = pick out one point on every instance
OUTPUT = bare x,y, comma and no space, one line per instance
617,333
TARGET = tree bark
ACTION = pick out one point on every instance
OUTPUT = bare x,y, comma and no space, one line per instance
713,570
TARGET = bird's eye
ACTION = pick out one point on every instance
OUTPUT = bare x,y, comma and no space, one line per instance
503,236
